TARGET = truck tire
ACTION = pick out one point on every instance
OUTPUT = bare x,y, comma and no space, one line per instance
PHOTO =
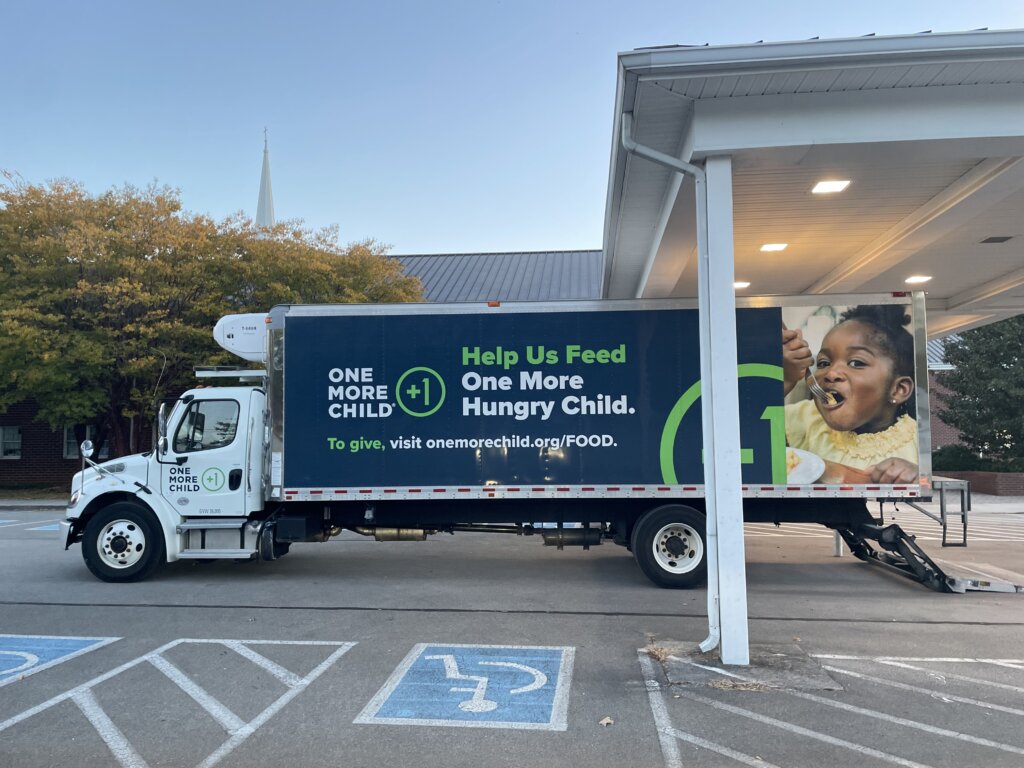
669,546
123,542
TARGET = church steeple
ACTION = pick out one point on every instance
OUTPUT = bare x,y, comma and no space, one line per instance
265,207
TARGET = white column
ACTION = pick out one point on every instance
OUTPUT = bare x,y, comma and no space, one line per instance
720,393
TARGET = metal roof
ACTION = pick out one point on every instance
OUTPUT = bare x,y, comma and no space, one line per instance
538,276
929,129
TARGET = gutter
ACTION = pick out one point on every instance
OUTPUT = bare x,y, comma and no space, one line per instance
711,518
812,55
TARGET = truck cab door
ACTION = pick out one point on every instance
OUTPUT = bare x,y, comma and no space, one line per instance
256,433
210,437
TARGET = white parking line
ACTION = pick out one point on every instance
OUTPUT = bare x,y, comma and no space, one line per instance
926,691
907,723
1008,664
237,729
1013,578
937,659
882,715
800,730
662,722
741,757
953,675
229,721
8,524
671,754
231,744
667,733
982,528
119,746
288,678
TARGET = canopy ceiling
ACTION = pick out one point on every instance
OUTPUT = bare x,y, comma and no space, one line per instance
929,129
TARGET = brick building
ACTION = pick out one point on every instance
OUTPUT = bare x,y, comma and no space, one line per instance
32,453
942,433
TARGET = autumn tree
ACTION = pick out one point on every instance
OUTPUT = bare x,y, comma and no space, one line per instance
107,302
985,401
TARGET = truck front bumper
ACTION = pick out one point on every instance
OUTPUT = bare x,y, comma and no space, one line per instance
67,533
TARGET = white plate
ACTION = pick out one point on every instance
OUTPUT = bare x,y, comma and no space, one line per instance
810,468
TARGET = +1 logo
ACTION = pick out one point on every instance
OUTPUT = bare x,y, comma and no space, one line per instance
213,479
420,391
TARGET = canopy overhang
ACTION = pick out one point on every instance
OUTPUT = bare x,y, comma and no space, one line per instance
928,128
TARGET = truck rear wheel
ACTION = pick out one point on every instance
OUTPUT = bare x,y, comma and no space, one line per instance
122,542
669,546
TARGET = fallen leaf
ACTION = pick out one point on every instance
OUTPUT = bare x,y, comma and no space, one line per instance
606,721
658,653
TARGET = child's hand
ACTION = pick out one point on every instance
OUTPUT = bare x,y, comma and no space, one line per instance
796,358
894,471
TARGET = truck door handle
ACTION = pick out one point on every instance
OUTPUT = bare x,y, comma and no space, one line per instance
234,479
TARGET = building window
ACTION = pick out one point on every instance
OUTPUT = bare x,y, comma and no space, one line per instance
10,442
71,445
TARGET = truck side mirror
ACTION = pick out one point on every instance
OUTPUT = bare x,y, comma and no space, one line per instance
161,445
161,423
86,449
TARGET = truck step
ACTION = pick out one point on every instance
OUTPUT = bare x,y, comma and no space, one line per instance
216,554
199,524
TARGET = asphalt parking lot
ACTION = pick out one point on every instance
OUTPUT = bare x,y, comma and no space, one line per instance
491,650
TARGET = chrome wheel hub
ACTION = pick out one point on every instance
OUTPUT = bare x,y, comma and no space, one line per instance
678,548
121,544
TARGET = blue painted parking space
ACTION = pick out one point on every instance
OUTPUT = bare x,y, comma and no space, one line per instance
482,686
22,655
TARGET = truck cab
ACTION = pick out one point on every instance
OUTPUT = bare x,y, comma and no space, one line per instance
191,497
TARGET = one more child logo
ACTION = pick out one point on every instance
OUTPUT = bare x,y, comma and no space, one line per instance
420,391
212,479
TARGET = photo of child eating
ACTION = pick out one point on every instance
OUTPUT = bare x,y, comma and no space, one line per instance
861,424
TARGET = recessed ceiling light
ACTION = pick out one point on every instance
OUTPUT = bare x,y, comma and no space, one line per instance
774,247
915,279
740,284
830,187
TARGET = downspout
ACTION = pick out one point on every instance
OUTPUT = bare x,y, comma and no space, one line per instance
711,518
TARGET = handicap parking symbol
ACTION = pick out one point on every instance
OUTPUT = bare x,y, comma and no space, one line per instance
22,655
483,686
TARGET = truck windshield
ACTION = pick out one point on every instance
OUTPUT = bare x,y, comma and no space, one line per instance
207,424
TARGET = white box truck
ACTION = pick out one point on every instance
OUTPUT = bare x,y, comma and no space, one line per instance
401,421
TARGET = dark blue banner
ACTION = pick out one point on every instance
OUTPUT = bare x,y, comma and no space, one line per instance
517,398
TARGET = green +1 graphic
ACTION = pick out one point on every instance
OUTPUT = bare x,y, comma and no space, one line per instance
773,414
420,391
213,479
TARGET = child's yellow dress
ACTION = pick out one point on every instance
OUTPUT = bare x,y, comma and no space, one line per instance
806,429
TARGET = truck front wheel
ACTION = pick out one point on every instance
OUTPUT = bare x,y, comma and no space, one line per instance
669,546
122,542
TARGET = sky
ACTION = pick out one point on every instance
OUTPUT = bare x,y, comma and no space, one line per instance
440,127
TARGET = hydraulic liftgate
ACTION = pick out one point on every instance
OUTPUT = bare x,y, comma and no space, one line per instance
897,551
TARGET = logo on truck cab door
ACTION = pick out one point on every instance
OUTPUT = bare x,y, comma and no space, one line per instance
213,479
181,480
